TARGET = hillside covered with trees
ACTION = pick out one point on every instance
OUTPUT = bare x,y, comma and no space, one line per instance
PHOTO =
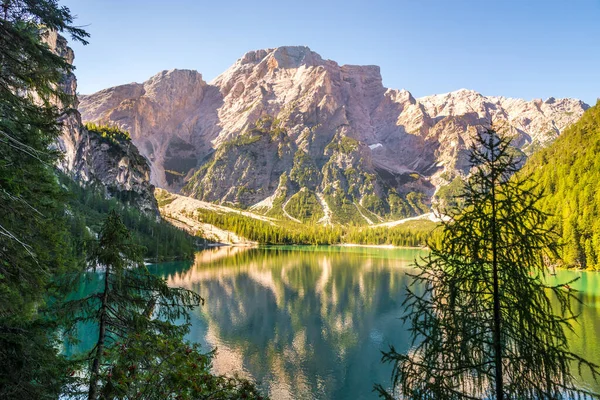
411,233
160,241
569,173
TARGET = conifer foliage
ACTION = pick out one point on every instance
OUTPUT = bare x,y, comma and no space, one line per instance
136,313
140,351
32,232
483,325
130,301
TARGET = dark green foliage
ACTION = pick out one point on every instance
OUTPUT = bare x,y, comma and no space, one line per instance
480,310
245,139
110,133
265,128
30,368
29,247
129,301
38,254
410,234
414,233
32,225
417,202
172,370
268,125
140,350
269,233
396,207
159,239
569,171
399,207
375,204
344,145
448,196
304,172
305,206
342,207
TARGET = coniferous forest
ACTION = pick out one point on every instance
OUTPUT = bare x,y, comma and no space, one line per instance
412,234
569,173
160,240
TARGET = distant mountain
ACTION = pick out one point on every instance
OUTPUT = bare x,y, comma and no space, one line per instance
569,171
291,134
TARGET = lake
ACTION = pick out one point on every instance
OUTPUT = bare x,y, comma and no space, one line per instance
310,322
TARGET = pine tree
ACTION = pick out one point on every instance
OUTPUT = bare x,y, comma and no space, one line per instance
32,232
129,303
172,370
483,325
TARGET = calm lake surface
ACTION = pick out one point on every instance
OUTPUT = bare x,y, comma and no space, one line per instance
310,322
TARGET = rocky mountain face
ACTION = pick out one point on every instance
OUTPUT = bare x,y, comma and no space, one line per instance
115,166
285,130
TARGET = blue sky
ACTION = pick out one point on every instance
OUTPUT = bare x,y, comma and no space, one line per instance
526,48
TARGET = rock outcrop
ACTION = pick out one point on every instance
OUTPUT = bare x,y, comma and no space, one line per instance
171,118
288,114
114,166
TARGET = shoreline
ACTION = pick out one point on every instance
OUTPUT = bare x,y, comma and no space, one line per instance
377,246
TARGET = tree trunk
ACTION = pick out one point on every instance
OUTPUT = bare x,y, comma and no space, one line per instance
93,391
497,316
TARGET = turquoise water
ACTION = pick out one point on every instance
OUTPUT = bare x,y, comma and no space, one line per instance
310,322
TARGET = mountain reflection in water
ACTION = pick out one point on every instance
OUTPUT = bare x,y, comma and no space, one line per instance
305,322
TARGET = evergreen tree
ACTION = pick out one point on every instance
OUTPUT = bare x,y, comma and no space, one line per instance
130,302
172,370
32,231
480,307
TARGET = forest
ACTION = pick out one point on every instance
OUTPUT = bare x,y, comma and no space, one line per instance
160,240
412,233
568,172
482,315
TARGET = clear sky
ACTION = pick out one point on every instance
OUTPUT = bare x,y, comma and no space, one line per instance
521,48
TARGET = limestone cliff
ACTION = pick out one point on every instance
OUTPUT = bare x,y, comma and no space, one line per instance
288,115
115,166
171,119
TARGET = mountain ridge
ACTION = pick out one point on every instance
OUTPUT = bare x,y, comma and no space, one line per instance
365,145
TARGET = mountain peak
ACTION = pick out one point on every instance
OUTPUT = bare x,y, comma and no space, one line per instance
175,75
169,86
283,57
294,57
462,93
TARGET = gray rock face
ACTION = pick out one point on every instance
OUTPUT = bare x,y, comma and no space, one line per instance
117,168
364,140
171,118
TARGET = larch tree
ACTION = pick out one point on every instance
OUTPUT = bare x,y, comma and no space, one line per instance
129,302
481,308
